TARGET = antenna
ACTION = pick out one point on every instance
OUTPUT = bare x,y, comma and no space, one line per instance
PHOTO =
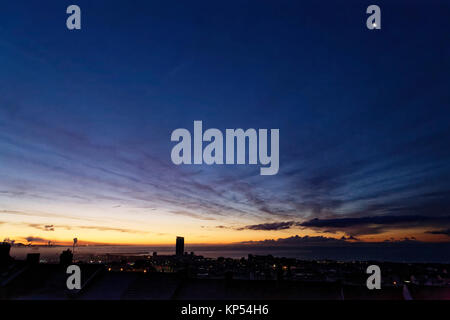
75,240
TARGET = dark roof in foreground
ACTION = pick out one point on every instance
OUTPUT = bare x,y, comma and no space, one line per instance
43,282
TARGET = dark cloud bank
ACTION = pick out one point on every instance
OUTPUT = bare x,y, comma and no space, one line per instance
361,225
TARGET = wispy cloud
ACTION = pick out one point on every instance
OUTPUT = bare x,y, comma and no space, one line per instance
36,239
42,227
269,226
443,232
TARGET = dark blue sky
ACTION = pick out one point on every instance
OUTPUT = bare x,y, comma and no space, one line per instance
86,116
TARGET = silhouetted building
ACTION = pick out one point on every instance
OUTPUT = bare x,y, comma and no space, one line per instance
4,253
66,257
180,246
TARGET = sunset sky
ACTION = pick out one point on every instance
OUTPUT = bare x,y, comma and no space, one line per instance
86,118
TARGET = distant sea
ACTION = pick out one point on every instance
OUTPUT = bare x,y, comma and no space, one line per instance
418,252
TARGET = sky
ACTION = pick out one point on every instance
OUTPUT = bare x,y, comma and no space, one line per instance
86,118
